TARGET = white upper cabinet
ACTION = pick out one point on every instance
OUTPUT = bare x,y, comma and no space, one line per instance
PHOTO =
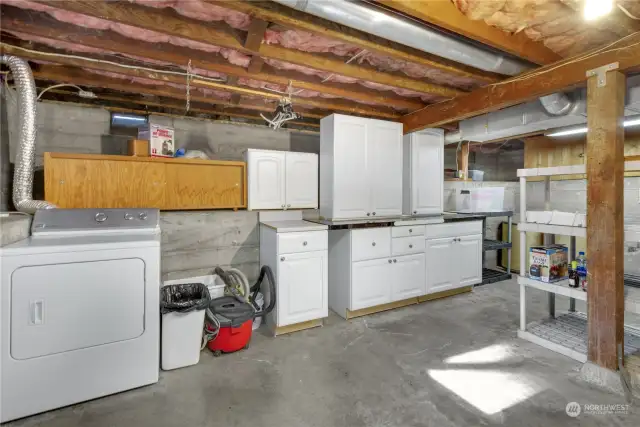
282,179
361,167
301,180
266,174
423,172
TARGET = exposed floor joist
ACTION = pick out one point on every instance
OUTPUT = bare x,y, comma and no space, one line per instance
445,14
563,75
313,102
296,20
168,22
40,25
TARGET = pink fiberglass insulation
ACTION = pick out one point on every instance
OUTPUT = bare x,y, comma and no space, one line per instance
203,11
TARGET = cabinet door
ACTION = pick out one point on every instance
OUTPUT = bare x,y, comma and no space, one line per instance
469,252
427,163
351,197
384,166
301,293
442,264
266,179
301,180
370,283
409,277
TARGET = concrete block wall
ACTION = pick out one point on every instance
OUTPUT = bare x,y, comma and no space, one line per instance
193,242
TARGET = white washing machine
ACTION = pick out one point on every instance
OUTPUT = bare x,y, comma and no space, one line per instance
79,316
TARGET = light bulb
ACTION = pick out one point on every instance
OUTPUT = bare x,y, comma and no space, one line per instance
594,9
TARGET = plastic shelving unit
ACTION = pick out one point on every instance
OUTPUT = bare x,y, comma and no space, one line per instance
567,333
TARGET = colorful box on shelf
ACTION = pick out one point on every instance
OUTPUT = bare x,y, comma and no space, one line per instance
548,263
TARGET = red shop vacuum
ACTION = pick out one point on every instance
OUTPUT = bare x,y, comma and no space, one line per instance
229,319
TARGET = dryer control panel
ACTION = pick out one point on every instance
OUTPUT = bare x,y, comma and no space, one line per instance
48,221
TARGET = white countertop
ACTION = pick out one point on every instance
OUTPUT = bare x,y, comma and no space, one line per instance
290,226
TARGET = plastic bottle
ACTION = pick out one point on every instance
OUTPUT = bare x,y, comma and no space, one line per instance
574,279
582,269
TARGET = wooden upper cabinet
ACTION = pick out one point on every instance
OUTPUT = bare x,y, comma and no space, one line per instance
99,181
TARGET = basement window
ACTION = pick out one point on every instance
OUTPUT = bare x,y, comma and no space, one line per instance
128,120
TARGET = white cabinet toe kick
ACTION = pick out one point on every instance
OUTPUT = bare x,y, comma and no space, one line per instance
370,267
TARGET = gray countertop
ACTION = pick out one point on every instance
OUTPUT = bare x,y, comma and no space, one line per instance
391,221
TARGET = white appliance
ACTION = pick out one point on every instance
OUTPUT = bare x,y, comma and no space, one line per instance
79,316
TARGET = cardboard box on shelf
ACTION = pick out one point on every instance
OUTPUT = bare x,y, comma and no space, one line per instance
161,139
138,148
548,263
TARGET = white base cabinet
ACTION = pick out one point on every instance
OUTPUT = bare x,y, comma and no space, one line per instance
366,269
299,261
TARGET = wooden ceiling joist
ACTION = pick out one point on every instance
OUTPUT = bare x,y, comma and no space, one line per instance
237,91
562,75
77,76
255,35
445,14
13,19
168,22
296,20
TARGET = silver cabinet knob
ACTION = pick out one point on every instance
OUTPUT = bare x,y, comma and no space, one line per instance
368,214
282,206
390,261
373,244
288,206
410,246
415,212
128,216
395,260
142,215
410,230
304,243
374,213
101,217
282,259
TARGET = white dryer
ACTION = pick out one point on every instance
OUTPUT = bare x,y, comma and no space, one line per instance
79,308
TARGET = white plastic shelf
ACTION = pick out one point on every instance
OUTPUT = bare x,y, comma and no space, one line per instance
632,165
565,230
561,287
567,334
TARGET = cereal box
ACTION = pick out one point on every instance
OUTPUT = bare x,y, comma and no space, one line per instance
548,263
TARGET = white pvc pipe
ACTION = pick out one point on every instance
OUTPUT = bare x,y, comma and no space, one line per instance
372,20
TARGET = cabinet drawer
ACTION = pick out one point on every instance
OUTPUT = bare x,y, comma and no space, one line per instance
407,245
370,243
407,231
453,229
305,241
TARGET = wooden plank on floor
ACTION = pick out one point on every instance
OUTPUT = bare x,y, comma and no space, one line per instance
444,294
281,330
381,307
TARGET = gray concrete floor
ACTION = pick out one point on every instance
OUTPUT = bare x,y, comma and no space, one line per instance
407,367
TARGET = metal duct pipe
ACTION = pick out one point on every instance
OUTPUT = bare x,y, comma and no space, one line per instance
25,157
452,137
558,104
372,20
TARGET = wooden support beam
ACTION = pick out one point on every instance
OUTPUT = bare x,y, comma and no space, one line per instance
315,102
463,160
563,75
446,15
235,99
605,221
255,34
167,22
41,25
255,66
296,20
232,80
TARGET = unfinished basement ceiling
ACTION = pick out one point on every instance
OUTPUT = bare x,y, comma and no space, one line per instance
559,24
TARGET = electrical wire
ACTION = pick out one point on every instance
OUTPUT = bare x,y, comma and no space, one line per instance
626,12
117,64
42,92
357,55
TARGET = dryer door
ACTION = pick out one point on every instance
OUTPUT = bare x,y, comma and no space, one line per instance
65,307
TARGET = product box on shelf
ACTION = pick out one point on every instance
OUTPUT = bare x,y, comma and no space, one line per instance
548,263
161,139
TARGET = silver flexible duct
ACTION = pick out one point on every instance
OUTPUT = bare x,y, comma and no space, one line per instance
372,20
25,157
558,104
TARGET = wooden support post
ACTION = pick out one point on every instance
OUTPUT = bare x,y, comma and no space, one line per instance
463,160
605,227
255,65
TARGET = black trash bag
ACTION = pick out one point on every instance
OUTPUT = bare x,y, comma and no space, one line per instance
184,298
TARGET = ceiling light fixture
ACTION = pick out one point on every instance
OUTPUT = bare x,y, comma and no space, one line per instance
577,131
594,9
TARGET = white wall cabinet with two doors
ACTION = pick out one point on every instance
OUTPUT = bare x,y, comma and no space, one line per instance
369,267
360,167
282,180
